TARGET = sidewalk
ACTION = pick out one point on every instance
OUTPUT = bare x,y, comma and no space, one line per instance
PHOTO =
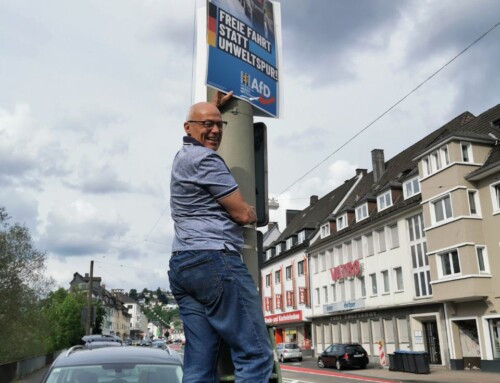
439,374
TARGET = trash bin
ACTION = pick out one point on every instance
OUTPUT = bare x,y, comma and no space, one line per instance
395,362
402,359
421,359
416,362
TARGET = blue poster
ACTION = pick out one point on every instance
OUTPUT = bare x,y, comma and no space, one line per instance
242,52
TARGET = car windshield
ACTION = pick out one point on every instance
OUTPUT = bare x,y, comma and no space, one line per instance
291,346
117,373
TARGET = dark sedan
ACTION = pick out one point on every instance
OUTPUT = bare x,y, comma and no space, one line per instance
342,355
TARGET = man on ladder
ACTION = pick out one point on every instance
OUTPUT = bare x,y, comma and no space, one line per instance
217,297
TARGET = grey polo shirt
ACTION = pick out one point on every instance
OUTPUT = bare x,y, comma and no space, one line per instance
200,177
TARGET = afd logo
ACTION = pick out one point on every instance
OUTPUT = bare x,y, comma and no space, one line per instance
258,87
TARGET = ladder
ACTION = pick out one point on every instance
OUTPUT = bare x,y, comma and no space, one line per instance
226,369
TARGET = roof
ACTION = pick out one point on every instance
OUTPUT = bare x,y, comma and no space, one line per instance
314,214
109,355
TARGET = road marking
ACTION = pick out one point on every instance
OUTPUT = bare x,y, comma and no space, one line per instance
337,374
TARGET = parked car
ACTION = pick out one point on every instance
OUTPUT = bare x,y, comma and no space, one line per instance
99,341
288,351
342,355
159,344
146,342
115,365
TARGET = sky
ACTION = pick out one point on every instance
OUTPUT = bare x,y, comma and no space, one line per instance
93,95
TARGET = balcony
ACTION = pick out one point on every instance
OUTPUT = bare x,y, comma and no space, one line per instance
462,288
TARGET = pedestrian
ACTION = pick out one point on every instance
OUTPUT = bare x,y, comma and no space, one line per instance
217,297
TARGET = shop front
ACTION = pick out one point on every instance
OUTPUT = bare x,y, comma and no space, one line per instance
417,328
290,327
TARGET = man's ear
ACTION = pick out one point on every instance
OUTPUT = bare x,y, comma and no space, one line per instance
187,128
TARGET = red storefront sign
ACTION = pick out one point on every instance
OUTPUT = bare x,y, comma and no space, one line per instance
350,269
289,298
278,301
268,304
292,316
302,294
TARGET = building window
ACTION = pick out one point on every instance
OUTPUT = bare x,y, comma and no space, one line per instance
288,271
337,255
369,244
325,292
322,261
361,212
300,268
302,236
450,263
436,161
473,202
394,236
325,230
277,276
384,201
411,188
358,248
318,298
466,149
385,278
482,259
342,222
494,325
373,280
420,261
363,286
269,254
442,209
381,240
495,196
278,249
289,243
334,292
398,275
426,166
347,252
268,280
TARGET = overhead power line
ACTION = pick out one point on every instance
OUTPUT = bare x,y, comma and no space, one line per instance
390,108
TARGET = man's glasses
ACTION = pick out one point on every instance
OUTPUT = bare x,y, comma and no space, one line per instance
210,124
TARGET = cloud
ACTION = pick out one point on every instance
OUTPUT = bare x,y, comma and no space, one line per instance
321,37
81,229
27,153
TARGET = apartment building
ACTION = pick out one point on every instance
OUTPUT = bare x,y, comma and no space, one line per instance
410,258
460,183
284,274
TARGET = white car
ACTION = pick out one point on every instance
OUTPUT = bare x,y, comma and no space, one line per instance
287,351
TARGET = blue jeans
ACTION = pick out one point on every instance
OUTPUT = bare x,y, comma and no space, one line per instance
218,301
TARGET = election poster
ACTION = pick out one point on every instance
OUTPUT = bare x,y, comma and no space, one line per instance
243,52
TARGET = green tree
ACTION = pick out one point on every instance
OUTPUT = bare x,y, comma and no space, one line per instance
100,313
133,294
23,284
64,310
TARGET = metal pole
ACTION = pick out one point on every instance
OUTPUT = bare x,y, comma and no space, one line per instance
237,149
88,327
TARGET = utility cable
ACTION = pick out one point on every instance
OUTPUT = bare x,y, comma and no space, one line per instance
389,109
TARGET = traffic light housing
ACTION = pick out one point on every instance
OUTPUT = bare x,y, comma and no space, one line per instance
261,195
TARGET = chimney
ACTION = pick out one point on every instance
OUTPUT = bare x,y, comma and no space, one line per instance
378,164
361,171
313,200
290,215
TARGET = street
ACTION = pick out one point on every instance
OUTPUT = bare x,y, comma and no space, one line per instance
307,371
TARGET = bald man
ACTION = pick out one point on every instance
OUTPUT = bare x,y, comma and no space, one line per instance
217,297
